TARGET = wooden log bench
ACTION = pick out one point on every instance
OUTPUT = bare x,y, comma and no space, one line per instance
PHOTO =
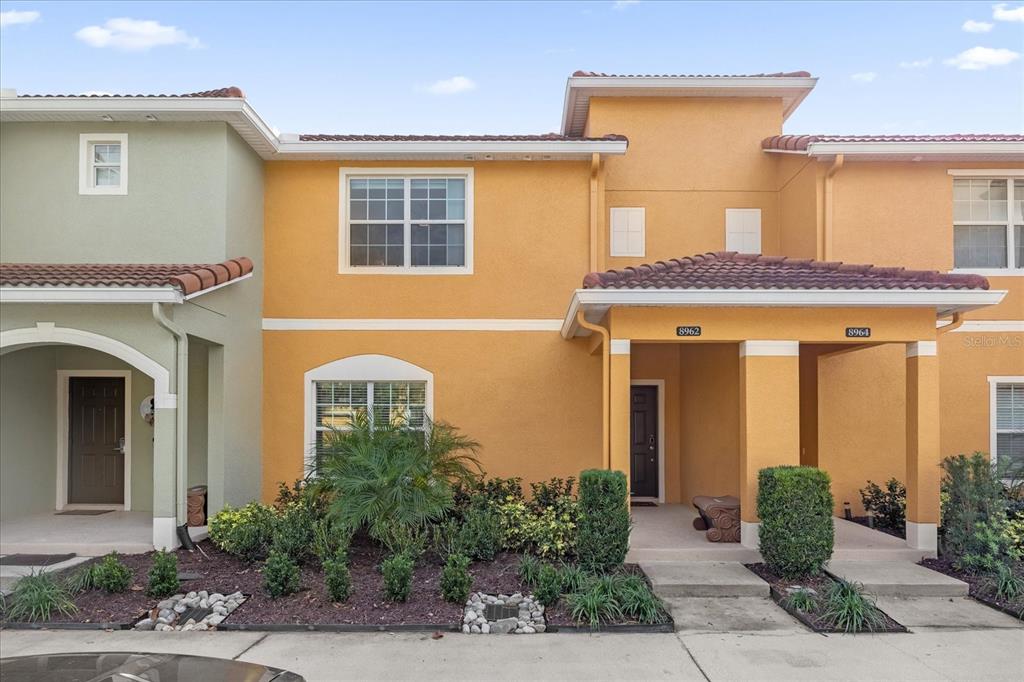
719,516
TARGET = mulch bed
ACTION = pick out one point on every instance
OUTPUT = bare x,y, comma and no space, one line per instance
979,589
863,520
820,585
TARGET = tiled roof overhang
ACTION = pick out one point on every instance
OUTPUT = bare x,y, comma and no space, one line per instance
980,146
731,279
116,282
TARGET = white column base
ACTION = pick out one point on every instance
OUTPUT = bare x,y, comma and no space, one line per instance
165,534
750,534
923,536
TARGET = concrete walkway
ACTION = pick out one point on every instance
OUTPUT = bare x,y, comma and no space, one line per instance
941,653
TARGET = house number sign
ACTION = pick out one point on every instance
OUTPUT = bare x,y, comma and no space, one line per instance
688,331
858,332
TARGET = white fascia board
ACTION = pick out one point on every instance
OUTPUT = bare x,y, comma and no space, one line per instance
1009,149
985,172
65,294
945,302
409,324
355,150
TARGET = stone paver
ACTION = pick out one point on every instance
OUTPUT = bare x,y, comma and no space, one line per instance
730,614
704,579
898,578
945,612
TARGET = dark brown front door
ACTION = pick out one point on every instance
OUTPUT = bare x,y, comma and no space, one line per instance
96,440
643,431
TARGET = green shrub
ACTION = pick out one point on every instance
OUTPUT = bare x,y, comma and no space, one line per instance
603,537
795,508
329,540
246,533
1005,583
337,577
499,490
38,596
280,575
455,579
163,576
529,569
573,578
408,540
294,532
847,608
974,522
445,537
549,532
480,535
594,607
111,575
548,589
552,493
397,571
383,475
888,506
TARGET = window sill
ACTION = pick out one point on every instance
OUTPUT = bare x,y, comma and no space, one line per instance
96,192
371,270
989,272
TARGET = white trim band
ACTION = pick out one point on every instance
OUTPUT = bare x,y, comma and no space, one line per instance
923,536
989,326
619,347
769,348
278,324
750,535
984,172
922,349
65,294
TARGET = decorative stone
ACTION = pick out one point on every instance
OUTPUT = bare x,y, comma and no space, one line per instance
503,626
180,607
540,627
475,629
215,619
485,628
465,629
469,618
204,603
145,624
529,630
216,596
166,604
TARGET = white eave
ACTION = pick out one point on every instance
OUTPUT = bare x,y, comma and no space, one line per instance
596,302
105,294
579,90
237,113
932,151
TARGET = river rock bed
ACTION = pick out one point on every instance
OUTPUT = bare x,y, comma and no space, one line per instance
179,612
529,618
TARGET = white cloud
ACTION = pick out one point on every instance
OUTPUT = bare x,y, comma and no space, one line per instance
13,16
451,86
864,76
1003,12
917,63
135,35
972,26
623,4
981,58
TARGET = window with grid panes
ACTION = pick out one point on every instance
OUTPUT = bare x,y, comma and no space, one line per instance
988,223
1009,429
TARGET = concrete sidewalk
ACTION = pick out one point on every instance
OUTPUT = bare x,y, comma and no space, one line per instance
926,654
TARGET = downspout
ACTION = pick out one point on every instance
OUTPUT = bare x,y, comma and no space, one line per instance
826,242
181,413
605,386
958,319
595,167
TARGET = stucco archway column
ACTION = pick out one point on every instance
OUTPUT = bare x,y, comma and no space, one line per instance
769,419
924,474
619,388
164,493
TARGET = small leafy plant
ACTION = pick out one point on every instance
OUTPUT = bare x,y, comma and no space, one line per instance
337,577
529,569
888,506
549,585
111,575
1005,583
847,608
397,571
455,579
802,600
280,575
247,532
38,597
163,576
480,536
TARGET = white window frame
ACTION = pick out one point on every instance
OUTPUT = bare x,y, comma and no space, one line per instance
370,368
627,252
993,385
1010,270
86,141
344,267
742,212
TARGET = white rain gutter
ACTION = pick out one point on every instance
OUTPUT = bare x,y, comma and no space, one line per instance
181,431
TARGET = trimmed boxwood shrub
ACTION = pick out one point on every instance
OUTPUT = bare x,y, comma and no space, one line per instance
337,577
455,579
795,507
604,520
397,571
281,575
163,576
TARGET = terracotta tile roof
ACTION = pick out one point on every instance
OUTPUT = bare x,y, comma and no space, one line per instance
794,143
731,270
780,74
547,137
231,91
187,278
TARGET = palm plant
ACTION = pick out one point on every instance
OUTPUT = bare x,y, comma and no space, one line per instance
384,474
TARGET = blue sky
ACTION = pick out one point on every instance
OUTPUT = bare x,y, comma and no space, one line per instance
501,67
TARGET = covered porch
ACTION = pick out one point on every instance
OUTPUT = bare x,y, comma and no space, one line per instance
717,366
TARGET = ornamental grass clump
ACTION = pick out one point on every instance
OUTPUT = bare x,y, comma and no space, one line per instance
38,596
455,579
111,575
594,607
280,575
803,600
603,537
529,569
847,608
163,576
795,507
397,572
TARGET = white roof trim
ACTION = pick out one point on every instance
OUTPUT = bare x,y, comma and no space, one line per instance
104,294
596,302
579,90
254,130
1007,151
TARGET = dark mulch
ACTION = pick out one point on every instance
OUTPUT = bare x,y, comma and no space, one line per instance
863,520
819,584
979,587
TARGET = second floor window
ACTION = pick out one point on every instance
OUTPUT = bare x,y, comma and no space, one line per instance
103,164
408,224
988,223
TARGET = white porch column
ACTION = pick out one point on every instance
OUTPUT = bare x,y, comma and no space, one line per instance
164,471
